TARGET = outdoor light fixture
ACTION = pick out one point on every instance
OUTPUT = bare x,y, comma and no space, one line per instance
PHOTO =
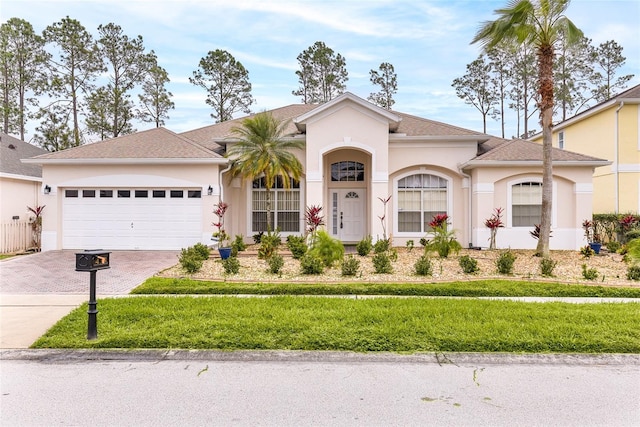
47,189
210,190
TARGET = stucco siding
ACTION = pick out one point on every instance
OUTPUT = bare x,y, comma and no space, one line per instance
17,194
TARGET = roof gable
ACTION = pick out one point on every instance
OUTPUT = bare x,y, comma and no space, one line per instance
344,99
12,150
156,143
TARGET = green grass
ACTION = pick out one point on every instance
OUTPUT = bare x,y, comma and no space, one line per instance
5,256
512,288
361,325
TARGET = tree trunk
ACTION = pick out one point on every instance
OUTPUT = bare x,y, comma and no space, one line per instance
268,210
545,58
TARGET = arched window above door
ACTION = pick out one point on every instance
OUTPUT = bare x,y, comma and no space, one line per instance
347,171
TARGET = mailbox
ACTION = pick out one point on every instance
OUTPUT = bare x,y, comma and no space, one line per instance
92,260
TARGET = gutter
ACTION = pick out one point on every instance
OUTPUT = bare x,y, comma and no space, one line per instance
616,171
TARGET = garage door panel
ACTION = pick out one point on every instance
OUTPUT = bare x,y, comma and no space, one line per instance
131,223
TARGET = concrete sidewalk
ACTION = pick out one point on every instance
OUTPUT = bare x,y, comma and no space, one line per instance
24,318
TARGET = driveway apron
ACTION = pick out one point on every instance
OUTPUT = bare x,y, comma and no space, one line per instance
37,290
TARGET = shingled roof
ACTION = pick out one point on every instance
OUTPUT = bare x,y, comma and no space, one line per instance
520,151
12,150
156,143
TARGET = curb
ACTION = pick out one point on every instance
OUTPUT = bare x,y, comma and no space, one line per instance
457,359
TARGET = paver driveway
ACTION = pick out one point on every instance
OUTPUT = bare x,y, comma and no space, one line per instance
53,272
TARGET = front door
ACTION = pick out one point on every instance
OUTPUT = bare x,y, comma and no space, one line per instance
348,214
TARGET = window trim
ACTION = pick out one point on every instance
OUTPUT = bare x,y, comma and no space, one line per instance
249,211
561,140
420,171
554,201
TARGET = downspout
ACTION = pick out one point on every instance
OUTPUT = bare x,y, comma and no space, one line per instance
220,186
617,157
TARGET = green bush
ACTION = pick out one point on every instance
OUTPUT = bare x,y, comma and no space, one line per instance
546,266
202,251
257,238
276,262
381,246
364,246
238,244
311,264
423,266
328,249
297,245
410,244
587,252
382,263
613,246
468,264
632,234
190,260
589,273
505,262
350,266
444,242
231,265
633,272
269,243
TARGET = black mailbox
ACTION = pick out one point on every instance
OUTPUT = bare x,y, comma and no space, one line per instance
92,260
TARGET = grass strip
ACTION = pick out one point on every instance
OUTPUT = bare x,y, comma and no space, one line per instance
360,325
510,288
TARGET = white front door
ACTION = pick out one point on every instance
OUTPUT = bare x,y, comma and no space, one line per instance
347,214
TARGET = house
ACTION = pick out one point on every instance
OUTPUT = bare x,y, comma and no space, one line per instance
20,186
156,189
609,130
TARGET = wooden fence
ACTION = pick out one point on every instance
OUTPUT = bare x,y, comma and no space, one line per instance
15,236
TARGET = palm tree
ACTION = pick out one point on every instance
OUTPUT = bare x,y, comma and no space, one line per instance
539,23
262,150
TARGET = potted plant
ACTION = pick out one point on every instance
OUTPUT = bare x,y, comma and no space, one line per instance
591,234
224,248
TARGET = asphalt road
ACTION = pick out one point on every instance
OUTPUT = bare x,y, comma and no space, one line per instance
317,390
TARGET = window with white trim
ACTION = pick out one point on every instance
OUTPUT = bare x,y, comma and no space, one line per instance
561,140
285,206
420,198
526,204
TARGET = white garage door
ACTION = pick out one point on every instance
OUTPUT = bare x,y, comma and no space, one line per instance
160,219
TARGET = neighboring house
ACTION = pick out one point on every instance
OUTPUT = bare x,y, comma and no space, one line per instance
609,130
20,186
156,189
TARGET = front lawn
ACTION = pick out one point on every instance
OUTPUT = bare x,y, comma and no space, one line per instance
507,288
348,324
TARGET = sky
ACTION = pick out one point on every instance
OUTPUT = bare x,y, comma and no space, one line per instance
427,42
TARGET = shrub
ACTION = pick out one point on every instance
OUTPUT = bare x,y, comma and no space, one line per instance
238,244
505,261
276,262
269,243
382,263
190,260
410,244
381,246
202,251
633,272
231,265
546,266
589,273
424,241
297,245
613,246
444,241
423,267
311,264
586,251
468,264
364,246
350,266
327,248
257,238
633,234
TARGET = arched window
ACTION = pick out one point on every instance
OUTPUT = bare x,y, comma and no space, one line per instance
347,171
285,206
526,204
420,198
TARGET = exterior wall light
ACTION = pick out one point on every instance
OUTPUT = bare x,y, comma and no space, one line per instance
47,189
209,191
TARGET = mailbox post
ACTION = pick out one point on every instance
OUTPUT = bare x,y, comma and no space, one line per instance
92,261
